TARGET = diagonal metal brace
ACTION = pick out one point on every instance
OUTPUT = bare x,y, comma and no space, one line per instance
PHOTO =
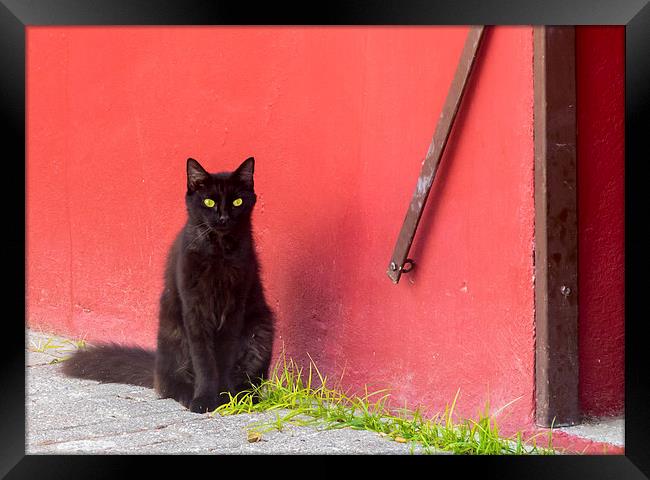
396,266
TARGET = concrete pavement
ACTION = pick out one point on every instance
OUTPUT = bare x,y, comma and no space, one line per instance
71,416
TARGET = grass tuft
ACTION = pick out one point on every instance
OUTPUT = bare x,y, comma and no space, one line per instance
311,400
60,349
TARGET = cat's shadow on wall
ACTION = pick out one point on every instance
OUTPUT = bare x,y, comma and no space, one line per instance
312,311
309,301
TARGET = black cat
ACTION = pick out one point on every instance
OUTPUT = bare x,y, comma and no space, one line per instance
215,332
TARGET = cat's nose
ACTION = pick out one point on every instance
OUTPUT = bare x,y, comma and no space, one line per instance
222,219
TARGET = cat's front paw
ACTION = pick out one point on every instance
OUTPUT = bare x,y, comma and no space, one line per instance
206,403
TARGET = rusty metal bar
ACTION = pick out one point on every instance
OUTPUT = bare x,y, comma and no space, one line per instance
434,155
556,238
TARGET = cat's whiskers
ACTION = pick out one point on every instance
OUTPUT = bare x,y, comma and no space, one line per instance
201,235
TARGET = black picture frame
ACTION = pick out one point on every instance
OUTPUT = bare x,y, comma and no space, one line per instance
16,15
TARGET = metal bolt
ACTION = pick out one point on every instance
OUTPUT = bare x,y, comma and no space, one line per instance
564,290
393,266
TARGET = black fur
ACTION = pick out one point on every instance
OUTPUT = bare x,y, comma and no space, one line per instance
216,331
113,363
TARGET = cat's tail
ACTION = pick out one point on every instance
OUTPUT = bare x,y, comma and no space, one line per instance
112,363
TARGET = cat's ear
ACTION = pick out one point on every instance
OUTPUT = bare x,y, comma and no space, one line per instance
196,175
245,171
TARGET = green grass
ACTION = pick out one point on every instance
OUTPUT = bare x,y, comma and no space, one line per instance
43,345
307,398
60,351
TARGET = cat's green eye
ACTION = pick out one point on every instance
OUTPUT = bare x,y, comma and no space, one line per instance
208,202
237,202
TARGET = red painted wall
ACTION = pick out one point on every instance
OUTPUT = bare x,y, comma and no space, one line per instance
339,120
600,62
